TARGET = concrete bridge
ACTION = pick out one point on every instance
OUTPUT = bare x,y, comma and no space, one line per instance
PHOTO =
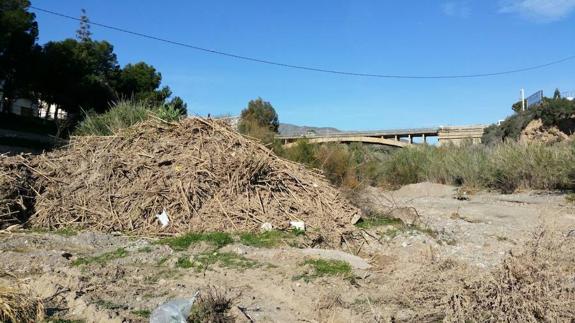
395,138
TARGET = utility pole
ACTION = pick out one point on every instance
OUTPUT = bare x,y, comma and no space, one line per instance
522,100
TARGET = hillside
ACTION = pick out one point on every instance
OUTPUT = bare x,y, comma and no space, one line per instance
287,129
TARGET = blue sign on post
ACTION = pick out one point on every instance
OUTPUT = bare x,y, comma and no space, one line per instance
535,98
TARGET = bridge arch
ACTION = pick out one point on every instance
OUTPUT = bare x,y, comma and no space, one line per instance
363,139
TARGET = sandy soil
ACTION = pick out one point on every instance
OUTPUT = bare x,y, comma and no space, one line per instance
266,285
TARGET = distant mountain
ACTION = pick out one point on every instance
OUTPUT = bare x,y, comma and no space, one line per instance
287,129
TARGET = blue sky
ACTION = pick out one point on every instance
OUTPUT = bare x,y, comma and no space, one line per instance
414,37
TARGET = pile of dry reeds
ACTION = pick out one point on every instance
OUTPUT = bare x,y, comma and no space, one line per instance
19,307
16,196
205,175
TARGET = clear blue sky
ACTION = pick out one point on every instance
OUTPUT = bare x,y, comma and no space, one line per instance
387,37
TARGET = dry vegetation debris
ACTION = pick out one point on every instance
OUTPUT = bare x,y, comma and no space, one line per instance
17,306
16,191
534,285
205,175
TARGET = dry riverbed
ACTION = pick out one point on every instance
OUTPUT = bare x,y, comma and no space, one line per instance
96,277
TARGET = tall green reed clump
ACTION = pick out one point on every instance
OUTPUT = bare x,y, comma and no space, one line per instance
123,115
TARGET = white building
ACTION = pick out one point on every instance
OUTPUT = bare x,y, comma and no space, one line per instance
25,107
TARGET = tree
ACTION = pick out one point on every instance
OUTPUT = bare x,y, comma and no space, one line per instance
83,33
557,95
179,104
78,75
259,113
138,81
517,107
18,35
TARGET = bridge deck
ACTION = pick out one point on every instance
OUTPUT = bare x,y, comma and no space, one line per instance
430,132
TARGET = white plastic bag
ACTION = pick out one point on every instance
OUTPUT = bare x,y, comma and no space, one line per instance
174,311
163,218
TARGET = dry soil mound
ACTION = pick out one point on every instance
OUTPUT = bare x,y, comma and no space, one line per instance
535,131
203,174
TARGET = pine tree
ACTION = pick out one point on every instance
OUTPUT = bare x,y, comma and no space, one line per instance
556,94
83,33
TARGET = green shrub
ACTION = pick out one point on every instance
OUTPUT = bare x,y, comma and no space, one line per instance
552,112
408,165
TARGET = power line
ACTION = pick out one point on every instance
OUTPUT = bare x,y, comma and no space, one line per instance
308,68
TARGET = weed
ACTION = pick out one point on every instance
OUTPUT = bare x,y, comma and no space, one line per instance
230,260
66,232
162,261
142,313
123,115
268,239
323,267
570,198
145,249
378,221
107,305
103,258
164,273
211,306
183,242
184,262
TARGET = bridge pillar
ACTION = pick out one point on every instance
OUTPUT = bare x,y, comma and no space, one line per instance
424,138
396,138
410,137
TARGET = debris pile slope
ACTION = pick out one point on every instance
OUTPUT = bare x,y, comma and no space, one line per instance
18,306
16,191
205,175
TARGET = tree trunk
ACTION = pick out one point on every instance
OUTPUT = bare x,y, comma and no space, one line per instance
47,113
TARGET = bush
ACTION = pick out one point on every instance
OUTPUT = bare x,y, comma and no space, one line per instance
553,112
348,166
123,115
505,167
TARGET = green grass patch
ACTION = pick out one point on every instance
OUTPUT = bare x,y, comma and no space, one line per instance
184,262
142,313
107,305
378,221
162,261
229,260
269,239
183,242
145,249
154,277
103,258
322,267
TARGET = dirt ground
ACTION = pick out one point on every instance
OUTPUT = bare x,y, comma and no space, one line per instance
95,277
